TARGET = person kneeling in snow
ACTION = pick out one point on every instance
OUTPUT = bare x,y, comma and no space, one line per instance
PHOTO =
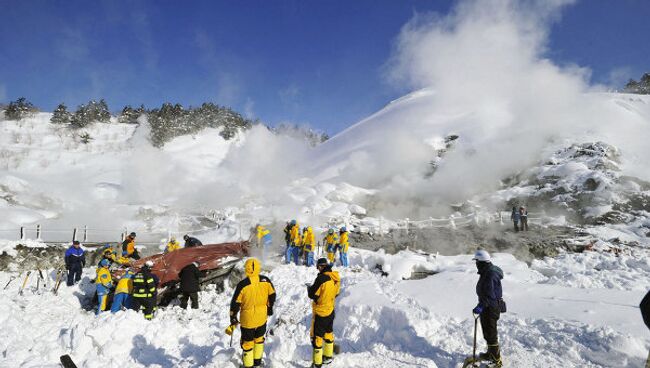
75,260
104,284
190,287
253,300
144,290
490,304
123,291
323,292
308,245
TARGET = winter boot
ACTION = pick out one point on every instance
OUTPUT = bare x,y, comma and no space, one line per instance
495,355
258,351
328,352
247,358
318,358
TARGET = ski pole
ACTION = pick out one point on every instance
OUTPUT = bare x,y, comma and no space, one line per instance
40,274
9,282
24,283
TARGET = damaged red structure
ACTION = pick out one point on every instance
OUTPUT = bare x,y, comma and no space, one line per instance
211,258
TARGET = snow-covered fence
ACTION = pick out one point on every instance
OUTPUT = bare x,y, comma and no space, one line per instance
382,226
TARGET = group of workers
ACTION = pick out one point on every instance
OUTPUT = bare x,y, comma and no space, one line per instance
254,297
301,245
133,290
252,304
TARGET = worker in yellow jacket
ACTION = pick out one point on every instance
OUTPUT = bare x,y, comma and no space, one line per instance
263,239
123,292
323,293
104,283
253,300
173,245
296,243
344,244
308,246
331,241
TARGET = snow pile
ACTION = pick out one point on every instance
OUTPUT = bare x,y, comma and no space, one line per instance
380,322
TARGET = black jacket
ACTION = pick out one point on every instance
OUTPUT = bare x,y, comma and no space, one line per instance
192,242
189,276
488,287
645,309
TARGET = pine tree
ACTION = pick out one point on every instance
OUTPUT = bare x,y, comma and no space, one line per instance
19,109
61,115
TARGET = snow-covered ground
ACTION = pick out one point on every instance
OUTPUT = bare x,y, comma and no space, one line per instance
380,321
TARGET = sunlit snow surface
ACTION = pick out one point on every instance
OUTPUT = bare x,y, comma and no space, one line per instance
552,321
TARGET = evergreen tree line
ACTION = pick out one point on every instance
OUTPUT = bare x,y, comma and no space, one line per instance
167,122
642,87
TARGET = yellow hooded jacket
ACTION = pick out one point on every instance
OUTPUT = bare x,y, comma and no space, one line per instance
125,285
261,232
308,240
344,243
295,235
324,291
252,297
331,239
173,245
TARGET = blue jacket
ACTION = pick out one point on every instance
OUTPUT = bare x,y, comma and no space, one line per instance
488,287
515,216
75,256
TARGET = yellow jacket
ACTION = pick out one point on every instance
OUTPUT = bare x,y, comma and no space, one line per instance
261,231
331,239
125,285
324,291
308,240
295,235
172,246
344,243
253,296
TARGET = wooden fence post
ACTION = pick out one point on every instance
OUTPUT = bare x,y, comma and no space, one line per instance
38,231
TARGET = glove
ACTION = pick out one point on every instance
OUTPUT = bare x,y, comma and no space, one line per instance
269,311
234,321
478,309
230,329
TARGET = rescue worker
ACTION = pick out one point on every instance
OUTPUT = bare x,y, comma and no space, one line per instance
308,246
523,218
75,261
108,254
128,246
287,239
144,290
323,293
190,288
104,284
344,244
191,241
263,239
123,291
253,300
295,242
172,245
490,304
330,245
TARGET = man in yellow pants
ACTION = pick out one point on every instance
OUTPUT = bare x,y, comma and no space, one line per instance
253,300
323,292
331,239
104,283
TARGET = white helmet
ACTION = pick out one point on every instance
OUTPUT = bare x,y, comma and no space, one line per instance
149,264
481,255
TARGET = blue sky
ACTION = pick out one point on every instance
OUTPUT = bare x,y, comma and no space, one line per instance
321,63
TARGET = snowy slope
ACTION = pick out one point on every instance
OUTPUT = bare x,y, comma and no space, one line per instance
380,322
